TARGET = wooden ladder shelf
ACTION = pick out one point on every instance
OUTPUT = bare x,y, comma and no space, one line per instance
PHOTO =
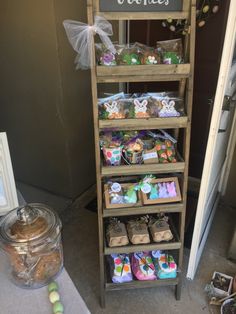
183,73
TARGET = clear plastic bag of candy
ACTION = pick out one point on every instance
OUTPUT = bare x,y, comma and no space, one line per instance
104,56
171,51
128,55
111,107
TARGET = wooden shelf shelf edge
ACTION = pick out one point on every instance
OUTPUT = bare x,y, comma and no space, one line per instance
144,124
142,247
141,284
182,15
152,209
142,169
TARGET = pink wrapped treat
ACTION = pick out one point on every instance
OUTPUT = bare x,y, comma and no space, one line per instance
142,266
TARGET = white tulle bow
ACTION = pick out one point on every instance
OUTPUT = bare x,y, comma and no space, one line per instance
80,37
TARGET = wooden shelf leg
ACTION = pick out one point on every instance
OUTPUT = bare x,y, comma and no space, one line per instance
102,281
103,298
178,289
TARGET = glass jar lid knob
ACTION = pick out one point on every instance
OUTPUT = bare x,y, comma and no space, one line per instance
27,214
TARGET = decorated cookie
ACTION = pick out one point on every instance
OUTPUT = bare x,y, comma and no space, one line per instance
113,110
168,109
107,58
140,109
131,59
150,58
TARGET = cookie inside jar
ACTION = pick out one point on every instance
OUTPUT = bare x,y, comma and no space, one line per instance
31,237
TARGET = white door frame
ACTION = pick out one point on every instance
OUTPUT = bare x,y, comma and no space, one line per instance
199,240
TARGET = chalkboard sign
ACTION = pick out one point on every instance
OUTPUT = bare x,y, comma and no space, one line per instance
140,5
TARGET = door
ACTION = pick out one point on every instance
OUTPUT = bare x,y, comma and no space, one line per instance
218,138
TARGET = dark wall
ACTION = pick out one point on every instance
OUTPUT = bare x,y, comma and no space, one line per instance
209,44
45,104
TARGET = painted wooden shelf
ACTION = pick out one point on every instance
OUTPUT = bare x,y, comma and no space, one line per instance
146,209
137,284
126,170
142,247
144,124
144,16
142,73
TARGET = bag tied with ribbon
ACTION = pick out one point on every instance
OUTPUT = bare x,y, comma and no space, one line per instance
80,37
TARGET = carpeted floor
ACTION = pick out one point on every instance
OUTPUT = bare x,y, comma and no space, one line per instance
80,240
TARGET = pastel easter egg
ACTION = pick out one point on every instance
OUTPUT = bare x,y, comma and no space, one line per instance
215,9
113,159
118,269
58,307
149,260
205,9
126,268
115,152
164,265
145,267
201,23
118,261
109,154
54,296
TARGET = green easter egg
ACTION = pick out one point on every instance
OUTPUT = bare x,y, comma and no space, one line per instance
58,307
149,260
52,286
118,269
116,152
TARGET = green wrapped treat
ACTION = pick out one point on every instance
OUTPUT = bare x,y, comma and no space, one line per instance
171,58
53,286
58,307
131,59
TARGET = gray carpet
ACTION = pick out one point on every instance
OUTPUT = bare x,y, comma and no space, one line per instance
80,240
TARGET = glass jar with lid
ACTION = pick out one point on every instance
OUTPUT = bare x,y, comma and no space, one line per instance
31,237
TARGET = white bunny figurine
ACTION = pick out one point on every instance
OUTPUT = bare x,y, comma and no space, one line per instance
114,110
140,109
168,109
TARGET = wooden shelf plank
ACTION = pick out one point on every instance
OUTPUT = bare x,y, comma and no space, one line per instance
161,71
142,169
141,210
140,78
138,284
144,15
142,247
144,124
